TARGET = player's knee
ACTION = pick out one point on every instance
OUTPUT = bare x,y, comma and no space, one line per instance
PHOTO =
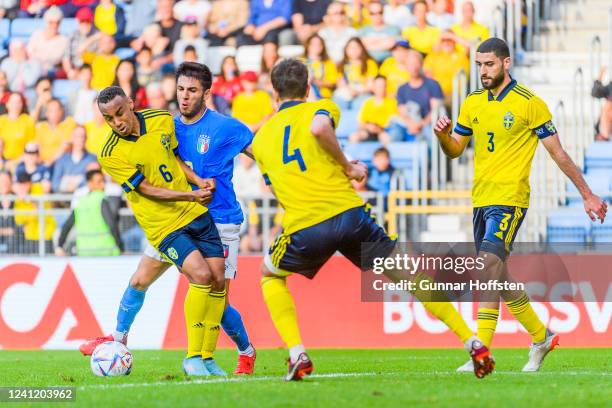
200,276
140,281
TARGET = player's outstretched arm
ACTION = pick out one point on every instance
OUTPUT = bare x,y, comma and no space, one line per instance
452,143
324,132
164,194
594,206
193,178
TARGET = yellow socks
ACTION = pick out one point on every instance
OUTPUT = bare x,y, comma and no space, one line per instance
195,311
212,322
487,322
282,309
523,312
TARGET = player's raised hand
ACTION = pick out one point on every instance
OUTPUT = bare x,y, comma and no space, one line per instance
443,126
356,170
595,208
202,196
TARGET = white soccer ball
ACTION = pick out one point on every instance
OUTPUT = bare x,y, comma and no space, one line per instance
111,359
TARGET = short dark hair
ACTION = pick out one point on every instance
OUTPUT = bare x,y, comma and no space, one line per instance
290,79
195,70
189,48
382,150
109,93
91,173
495,45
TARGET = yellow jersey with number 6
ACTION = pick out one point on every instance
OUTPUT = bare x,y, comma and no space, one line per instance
506,130
129,160
310,185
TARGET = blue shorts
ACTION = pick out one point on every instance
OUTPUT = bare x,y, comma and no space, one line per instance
495,228
199,235
354,233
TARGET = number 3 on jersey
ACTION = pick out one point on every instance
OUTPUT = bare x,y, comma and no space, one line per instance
297,155
491,144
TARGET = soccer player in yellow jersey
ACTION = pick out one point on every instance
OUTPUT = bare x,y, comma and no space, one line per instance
140,155
299,157
507,120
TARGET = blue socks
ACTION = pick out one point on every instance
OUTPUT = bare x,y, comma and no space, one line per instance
233,326
130,305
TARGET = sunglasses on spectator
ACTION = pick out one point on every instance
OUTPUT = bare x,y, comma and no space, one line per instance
337,13
376,13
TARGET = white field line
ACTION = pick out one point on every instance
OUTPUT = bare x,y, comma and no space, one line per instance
329,375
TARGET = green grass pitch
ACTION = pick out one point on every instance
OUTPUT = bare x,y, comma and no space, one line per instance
355,378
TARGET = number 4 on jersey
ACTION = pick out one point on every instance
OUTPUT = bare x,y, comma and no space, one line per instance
297,155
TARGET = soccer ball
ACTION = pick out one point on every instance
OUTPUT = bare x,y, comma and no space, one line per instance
111,358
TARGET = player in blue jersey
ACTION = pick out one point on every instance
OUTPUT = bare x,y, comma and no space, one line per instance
208,143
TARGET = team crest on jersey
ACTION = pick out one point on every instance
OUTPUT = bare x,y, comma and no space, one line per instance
508,120
550,127
165,141
203,143
172,253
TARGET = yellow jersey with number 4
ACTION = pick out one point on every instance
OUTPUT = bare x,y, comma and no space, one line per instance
307,181
129,160
506,130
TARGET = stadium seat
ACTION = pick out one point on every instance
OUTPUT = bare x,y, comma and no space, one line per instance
5,27
24,27
599,183
348,124
248,58
363,151
68,26
568,225
62,89
601,233
291,51
215,55
598,156
125,53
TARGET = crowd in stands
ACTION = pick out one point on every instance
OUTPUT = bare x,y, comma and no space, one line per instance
390,62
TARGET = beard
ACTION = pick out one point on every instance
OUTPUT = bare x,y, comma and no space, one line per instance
193,112
494,81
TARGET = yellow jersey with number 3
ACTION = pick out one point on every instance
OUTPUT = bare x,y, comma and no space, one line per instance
130,160
310,185
506,130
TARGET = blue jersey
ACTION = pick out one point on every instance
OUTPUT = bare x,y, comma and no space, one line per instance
209,147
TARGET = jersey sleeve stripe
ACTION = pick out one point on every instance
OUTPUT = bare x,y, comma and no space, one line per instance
153,115
125,188
326,113
545,130
110,145
154,111
266,179
522,88
463,130
176,151
133,182
524,95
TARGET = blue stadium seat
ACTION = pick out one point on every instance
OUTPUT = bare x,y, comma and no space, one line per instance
363,151
125,53
348,124
409,158
599,183
601,233
24,27
63,88
598,156
5,27
68,26
568,225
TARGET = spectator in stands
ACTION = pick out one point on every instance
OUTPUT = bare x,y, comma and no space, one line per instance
170,26
323,72
394,67
97,130
307,17
152,38
47,45
267,20
32,8
601,91
356,72
190,37
422,37
375,115
416,100
146,72
9,9
21,72
125,78
469,30
11,235
32,169
16,128
269,57
110,18
3,161
357,11
337,31
439,16
54,135
103,62
168,88
193,10
83,97
156,96
189,54
140,14
97,226
72,59
381,171
5,93
398,14
69,169
226,85
442,65
378,37
252,106
37,103
226,21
